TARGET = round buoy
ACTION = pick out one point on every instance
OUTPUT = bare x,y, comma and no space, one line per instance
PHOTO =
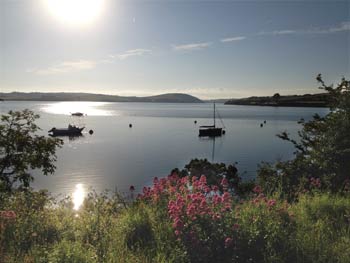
223,132
130,125
91,132
195,122
265,121
261,124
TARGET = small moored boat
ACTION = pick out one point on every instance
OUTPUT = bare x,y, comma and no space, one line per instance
70,131
211,130
77,114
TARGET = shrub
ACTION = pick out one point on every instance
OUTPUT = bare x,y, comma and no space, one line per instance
322,151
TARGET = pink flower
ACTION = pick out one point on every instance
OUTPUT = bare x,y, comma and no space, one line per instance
271,203
315,182
8,214
215,188
224,182
257,189
155,180
226,197
228,242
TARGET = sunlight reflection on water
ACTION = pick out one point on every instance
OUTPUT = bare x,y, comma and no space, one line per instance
69,107
78,196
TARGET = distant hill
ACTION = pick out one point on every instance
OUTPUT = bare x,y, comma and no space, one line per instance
307,100
63,96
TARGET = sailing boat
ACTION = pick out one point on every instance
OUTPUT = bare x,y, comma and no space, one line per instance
211,130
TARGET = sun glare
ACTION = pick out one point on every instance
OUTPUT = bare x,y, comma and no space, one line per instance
75,12
78,196
69,107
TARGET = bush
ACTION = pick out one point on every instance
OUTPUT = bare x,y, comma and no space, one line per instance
322,152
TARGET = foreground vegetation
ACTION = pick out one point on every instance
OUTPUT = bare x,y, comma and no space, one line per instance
296,211
169,223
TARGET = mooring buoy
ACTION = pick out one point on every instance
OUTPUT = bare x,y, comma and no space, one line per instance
91,132
130,125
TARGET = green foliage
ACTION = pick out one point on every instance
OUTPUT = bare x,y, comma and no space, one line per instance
265,232
322,151
145,235
71,252
21,149
33,224
323,229
136,229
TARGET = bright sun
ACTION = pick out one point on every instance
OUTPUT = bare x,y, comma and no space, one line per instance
75,12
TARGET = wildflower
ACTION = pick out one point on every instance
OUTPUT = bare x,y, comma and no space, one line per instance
257,189
226,197
271,203
224,182
8,214
228,242
155,180
315,182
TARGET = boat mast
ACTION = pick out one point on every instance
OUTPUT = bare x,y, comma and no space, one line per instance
214,114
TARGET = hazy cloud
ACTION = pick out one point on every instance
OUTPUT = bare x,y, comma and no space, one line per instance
232,39
80,65
277,32
345,26
65,67
191,46
132,53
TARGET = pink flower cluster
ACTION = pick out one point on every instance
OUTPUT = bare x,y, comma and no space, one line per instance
191,204
261,199
315,182
8,214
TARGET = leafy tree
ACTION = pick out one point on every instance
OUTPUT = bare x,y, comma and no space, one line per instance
21,149
276,97
322,150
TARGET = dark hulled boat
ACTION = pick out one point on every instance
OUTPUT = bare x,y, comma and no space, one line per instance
70,131
211,130
77,114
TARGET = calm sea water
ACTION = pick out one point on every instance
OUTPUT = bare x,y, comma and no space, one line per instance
163,136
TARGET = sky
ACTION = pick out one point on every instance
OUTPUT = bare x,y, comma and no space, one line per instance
209,49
